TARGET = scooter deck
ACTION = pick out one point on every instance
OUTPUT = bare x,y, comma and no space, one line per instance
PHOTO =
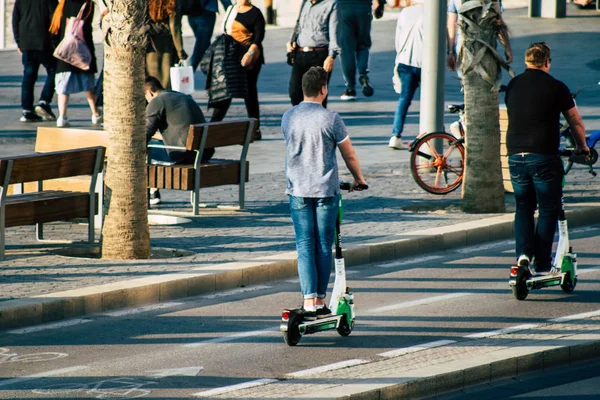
308,327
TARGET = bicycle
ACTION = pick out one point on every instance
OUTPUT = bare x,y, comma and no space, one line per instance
437,159
124,388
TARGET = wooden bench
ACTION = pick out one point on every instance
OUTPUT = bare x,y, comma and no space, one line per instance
46,205
503,152
216,172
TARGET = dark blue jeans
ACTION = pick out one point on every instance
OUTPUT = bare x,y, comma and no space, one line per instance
354,38
31,64
537,181
203,26
314,224
410,79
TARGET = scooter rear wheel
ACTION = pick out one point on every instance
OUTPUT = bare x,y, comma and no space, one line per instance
292,336
344,329
568,286
520,290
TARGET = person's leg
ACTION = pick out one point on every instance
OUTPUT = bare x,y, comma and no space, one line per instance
547,175
220,109
30,74
347,40
525,200
49,63
410,82
303,217
165,62
63,104
251,100
363,47
326,215
99,90
203,26
91,99
298,69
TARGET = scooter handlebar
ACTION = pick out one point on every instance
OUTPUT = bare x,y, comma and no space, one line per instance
348,186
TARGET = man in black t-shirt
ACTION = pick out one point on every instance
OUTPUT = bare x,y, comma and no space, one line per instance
535,101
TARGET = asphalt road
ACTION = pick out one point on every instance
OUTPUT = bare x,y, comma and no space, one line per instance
232,337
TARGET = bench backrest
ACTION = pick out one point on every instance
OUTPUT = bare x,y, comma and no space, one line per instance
221,133
60,164
58,139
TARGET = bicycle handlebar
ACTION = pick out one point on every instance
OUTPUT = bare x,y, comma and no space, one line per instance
348,186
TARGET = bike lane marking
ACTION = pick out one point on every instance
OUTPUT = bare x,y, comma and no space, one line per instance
53,325
46,374
240,386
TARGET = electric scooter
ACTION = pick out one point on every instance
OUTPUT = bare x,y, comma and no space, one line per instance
294,326
522,281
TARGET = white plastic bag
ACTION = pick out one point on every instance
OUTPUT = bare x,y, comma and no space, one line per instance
182,77
396,80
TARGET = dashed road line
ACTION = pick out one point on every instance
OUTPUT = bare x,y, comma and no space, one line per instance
409,261
138,310
502,331
326,368
414,303
236,291
413,349
231,338
53,325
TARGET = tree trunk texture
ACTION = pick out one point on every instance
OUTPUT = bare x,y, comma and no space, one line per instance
125,234
483,189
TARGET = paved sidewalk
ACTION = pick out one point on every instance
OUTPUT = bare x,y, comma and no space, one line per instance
394,207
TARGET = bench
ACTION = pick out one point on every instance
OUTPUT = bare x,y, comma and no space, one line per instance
48,205
216,172
503,151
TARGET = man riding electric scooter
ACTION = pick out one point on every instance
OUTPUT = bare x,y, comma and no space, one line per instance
312,134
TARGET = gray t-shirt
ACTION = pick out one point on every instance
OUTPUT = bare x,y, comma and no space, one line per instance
311,135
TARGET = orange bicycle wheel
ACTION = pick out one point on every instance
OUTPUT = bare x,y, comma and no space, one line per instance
437,162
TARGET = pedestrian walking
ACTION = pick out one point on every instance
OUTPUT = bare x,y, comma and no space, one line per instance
409,58
312,135
31,22
534,102
245,23
165,42
70,79
202,19
313,43
354,37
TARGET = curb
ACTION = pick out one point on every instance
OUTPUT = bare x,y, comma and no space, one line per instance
167,287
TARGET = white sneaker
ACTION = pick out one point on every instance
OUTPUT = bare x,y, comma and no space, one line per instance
397,143
97,119
62,122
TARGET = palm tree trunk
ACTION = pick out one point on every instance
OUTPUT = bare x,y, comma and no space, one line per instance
483,189
125,234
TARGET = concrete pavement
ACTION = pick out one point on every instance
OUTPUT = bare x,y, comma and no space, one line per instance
234,248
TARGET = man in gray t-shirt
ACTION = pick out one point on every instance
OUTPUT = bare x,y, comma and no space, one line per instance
312,134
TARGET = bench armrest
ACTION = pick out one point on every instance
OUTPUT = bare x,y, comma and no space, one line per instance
162,146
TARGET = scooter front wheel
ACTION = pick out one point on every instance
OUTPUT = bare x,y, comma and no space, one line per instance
292,336
568,284
344,329
520,290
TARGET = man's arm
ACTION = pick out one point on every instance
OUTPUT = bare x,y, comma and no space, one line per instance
577,128
334,49
16,19
351,161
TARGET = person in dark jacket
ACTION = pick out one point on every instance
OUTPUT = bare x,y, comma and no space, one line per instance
202,22
31,20
246,25
70,79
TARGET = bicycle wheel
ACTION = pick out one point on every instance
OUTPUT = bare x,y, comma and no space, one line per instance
566,149
437,162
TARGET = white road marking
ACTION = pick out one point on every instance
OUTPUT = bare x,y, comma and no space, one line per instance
236,291
55,372
409,261
486,246
186,371
325,368
137,310
502,331
581,271
296,280
231,338
226,389
414,303
575,317
583,229
412,349
53,325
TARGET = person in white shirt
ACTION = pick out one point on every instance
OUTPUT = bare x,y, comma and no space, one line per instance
409,50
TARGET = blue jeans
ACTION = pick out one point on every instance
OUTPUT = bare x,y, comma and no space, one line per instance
537,180
203,26
354,37
410,79
32,59
314,224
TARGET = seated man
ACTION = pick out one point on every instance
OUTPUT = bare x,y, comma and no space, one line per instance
170,113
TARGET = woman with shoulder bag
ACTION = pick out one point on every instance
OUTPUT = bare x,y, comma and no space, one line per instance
245,23
70,79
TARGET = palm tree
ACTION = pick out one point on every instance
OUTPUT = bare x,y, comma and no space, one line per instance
125,234
481,26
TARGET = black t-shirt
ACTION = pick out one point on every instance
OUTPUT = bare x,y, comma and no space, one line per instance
534,101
